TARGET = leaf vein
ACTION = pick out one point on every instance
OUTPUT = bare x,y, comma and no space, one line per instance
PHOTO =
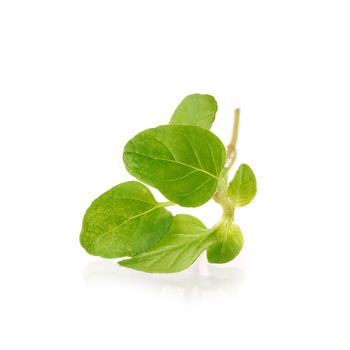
212,157
175,161
128,220
194,190
194,151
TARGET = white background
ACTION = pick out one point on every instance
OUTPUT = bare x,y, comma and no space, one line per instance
78,79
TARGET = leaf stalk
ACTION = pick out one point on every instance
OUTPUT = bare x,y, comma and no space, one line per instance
220,195
231,150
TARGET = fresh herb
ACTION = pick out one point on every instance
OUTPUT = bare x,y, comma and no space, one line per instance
197,110
188,164
124,221
183,162
180,247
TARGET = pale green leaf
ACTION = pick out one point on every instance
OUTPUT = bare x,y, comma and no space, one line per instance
180,247
183,162
197,110
229,242
242,188
124,221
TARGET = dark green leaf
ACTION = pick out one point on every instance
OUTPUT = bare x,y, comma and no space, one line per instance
183,162
124,221
197,110
180,247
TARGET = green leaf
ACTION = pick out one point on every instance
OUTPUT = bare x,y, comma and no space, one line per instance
183,162
228,245
242,188
124,221
180,247
197,110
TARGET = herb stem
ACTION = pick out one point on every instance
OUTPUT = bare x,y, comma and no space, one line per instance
167,204
220,195
231,151
226,204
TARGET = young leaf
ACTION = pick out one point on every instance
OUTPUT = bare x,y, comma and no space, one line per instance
197,110
180,247
228,245
124,221
242,188
183,162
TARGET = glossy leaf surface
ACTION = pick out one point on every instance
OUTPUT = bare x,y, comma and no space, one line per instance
183,162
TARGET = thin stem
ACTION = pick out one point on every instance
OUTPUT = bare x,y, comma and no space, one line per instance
226,204
167,204
221,195
231,151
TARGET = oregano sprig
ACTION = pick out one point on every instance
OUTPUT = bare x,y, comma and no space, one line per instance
189,165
